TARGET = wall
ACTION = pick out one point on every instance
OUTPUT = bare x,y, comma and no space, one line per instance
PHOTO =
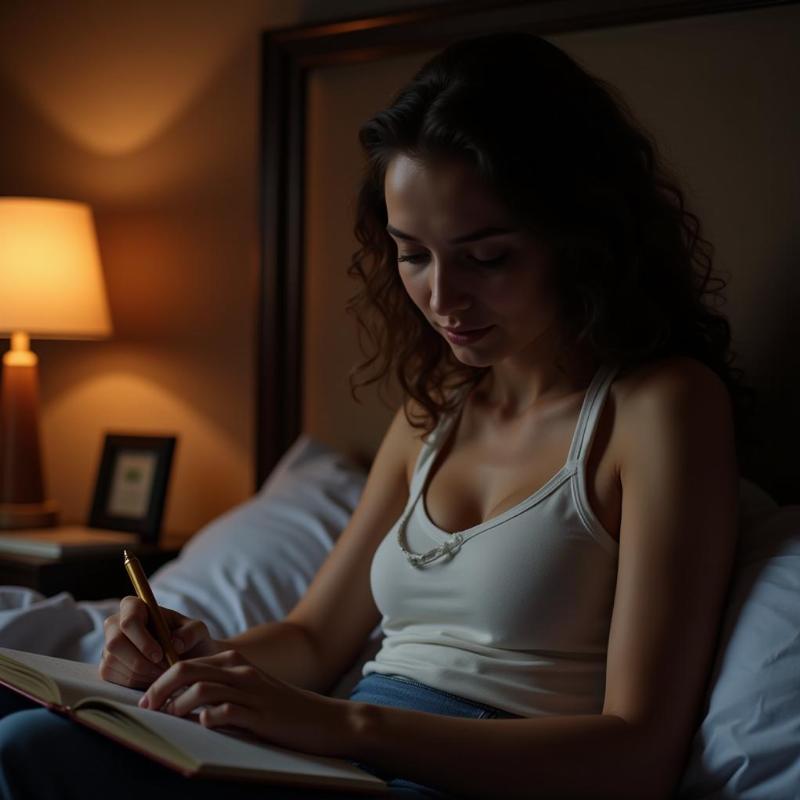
149,112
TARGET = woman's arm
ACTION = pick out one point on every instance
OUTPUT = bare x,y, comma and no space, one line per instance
322,636
680,486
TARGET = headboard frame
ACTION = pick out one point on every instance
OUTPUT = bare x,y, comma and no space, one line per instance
289,59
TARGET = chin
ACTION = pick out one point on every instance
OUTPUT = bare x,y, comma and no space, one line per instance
472,359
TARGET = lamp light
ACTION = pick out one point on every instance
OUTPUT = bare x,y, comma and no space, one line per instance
51,286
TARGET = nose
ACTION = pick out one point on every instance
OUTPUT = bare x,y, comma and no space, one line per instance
448,295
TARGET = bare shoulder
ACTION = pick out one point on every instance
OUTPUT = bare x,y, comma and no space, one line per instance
668,379
666,388
402,441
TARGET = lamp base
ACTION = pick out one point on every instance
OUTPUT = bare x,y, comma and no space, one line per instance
28,515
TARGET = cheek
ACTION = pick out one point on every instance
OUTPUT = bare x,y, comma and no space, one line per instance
416,288
519,297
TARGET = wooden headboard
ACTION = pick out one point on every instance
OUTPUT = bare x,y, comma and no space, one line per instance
713,82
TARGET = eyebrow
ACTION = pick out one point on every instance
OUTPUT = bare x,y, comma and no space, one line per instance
481,233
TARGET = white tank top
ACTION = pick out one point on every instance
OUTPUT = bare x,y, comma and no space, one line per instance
516,615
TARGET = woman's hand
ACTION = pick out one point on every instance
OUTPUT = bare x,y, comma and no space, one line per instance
235,693
132,656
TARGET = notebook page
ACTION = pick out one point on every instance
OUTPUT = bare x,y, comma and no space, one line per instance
207,746
75,679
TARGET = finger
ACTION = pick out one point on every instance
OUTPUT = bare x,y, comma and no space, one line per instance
205,693
122,677
141,671
180,676
119,645
172,617
235,664
133,619
146,674
228,715
240,671
188,634
224,658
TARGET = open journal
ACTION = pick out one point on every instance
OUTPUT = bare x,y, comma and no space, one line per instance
76,690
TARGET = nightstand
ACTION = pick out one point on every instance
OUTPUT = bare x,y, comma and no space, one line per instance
91,576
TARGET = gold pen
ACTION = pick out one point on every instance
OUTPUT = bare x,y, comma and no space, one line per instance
145,593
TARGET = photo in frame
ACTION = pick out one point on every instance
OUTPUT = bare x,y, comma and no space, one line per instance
131,487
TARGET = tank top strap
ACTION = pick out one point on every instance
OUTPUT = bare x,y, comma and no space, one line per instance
431,445
581,439
590,413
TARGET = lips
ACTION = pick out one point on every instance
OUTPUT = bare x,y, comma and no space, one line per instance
461,331
465,335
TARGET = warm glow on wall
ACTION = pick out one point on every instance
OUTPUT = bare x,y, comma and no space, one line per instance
115,77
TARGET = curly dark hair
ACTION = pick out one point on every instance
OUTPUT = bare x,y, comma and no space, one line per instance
563,152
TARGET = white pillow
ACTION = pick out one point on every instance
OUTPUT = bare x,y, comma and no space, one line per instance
254,563
748,744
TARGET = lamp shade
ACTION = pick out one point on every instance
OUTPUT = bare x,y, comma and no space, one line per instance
51,280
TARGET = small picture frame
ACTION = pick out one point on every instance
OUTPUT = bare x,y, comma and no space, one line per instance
131,486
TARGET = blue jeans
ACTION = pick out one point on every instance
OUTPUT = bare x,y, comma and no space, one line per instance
44,756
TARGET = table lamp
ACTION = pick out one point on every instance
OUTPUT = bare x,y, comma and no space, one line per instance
51,286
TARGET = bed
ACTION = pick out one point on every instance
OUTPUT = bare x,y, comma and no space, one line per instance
673,61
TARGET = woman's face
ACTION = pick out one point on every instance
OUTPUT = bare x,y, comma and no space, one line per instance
482,284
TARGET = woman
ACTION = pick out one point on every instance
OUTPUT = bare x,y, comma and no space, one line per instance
548,527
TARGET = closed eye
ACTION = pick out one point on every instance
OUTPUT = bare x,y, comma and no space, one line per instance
412,258
489,262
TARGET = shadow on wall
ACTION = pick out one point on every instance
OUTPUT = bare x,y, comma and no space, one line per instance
773,369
